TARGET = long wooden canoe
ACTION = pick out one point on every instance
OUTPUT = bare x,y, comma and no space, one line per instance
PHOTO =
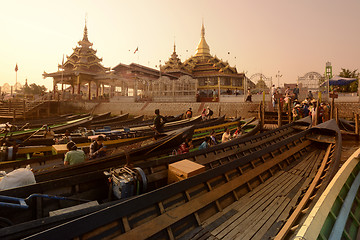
56,128
111,119
119,124
336,214
101,116
252,195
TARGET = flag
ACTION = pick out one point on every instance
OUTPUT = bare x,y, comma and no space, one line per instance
137,49
16,68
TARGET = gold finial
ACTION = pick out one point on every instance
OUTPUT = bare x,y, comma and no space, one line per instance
203,48
85,41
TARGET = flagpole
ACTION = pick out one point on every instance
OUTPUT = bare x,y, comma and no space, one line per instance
16,69
62,76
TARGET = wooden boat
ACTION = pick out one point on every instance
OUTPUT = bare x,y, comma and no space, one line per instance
111,119
336,213
36,123
216,155
347,129
56,128
101,116
148,122
250,194
118,124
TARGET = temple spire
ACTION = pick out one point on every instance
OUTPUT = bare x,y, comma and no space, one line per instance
85,41
203,49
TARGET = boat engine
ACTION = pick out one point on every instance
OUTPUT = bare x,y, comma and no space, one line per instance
126,182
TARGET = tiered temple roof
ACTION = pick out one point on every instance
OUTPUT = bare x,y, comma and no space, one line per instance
174,63
84,58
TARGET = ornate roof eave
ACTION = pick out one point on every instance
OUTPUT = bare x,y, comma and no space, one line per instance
67,73
86,65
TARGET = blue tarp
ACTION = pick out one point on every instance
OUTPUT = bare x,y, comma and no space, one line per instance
339,81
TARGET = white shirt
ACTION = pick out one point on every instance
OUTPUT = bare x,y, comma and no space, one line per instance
225,137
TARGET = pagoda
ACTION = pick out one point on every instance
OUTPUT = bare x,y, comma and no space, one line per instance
82,67
174,65
213,74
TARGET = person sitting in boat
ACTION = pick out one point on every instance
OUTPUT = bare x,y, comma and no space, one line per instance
209,113
97,148
213,140
238,131
49,133
189,113
74,155
226,135
203,114
185,146
159,122
205,143
66,138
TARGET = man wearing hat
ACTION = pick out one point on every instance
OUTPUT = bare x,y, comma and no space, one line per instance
97,148
74,155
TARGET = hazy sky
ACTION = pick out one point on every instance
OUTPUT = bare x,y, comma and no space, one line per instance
264,36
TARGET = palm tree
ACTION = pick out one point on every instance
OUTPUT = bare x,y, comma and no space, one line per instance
352,87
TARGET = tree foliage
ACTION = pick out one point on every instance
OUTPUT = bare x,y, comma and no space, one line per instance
34,89
352,87
261,85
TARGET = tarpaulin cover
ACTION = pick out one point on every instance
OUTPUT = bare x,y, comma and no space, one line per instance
339,81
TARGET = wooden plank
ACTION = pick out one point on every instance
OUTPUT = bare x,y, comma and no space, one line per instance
253,199
252,213
161,222
73,208
272,211
285,229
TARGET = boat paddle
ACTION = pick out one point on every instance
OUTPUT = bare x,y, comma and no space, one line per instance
35,133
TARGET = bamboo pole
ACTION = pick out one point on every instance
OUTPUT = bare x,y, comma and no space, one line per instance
332,108
289,111
357,124
317,112
337,115
279,113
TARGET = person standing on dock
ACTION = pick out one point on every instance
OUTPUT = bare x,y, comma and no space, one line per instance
74,155
159,122
248,97
97,148
296,92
